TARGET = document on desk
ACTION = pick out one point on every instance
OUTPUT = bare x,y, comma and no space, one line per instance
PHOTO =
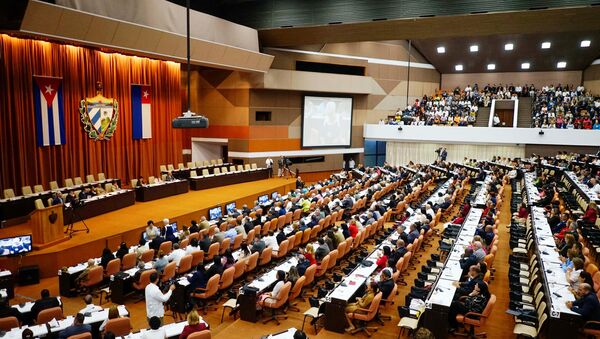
452,271
443,293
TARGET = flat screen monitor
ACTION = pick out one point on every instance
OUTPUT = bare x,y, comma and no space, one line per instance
215,213
326,121
230,208
15,245
262,199
274,195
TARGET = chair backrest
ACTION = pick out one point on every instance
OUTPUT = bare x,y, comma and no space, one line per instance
48,314
205,334
247,167
252,262
265,256
198,163
283,249
94,277
240,168
147,256
185,264
237,242
166,247
227,278
169,271
39,204
220,161
78,181
69,182
225,245
253,166
217,170
113,267
197,257
224,170
84,335
151,179
487,311
90,178
9,193
134,183
323,267
591,269
119,326
240,268
297,288
193,173
128,261
310,274
212,250
144,279
333,255
54,185
7,323
170,167
406,258
212,287
205,172
184,243
101,176
26,190
232,168
373,308
190,164
284,294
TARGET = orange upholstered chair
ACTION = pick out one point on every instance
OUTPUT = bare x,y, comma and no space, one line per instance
85,335
265,256
169,272
296,293
7,323
282,251
48,314
113,267
212,287
277,303
472,319
185,264
128,261
166,247
364,316
212,251
94,278
147,256
144,280
205,334
197,257
119,326
252,262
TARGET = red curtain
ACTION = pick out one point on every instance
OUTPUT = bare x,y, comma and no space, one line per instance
22,162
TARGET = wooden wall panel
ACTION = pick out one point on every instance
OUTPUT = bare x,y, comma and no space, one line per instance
449,81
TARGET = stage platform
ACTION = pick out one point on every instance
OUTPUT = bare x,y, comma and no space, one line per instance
126,224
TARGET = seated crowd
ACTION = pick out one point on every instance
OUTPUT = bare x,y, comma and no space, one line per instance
565,107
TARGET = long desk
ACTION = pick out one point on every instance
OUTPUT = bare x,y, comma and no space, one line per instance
481,197
21,206
184,173
199,183
562,321
578,188
161,190
99,205
435,317
533,195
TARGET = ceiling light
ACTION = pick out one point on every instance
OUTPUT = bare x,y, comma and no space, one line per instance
441,49
474,48
491,67
458,67
585,43
525,65
561,64
509,47
546,45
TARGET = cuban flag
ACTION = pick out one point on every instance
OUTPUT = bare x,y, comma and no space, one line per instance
49,111
140,109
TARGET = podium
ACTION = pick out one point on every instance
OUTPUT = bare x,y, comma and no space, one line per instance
47,226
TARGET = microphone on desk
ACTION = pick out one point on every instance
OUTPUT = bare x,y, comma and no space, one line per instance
556,294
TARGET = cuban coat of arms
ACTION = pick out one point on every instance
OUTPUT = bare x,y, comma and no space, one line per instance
99,116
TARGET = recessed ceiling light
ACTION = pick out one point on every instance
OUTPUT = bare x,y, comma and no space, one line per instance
491,67
458,67
561,64
441,49
474,48
585,43
525,65
546,45
509,47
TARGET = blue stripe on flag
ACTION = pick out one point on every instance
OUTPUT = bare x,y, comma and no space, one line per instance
61,116
51,124
136,110
38,114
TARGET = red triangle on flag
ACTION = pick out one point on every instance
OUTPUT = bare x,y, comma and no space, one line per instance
48,87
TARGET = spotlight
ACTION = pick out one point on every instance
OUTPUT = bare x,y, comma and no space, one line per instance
399,128
541,132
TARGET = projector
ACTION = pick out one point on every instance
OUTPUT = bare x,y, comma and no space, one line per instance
190,120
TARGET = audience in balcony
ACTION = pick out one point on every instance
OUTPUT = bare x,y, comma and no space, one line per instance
566,107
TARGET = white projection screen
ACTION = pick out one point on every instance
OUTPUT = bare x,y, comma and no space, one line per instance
326,121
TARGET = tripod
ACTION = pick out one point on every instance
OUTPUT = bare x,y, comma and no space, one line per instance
75,213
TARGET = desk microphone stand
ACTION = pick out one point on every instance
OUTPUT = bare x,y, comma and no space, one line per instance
75,213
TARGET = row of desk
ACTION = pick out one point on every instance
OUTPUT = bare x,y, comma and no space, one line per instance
437,304
579,189
230,178
184,173
23,205
562,321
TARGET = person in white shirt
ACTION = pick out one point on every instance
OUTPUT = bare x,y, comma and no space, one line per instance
155,299
155,331
177,254
351,163
269,164
89,305
192,247
271,241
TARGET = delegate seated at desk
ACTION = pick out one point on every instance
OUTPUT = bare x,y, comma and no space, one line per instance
44,303
7,311
274,294
84,274
587,305
361,303
476,302
78,327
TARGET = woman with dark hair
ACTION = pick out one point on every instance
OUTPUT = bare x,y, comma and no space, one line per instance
107,256
227,259
274,294
584,278
345,230
362,302
476,302
123,249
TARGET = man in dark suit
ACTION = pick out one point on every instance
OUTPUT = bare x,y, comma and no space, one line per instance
78,327
44,303
467,286
216,267
587,305
469,259
259,244
397,254
322,250
204,243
